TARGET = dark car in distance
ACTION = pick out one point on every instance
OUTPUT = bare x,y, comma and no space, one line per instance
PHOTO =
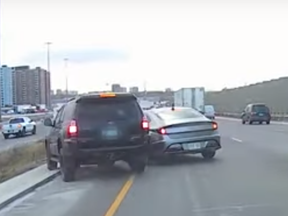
98,129
257,112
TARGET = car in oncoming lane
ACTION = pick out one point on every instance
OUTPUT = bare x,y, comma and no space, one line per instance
18,127
182,130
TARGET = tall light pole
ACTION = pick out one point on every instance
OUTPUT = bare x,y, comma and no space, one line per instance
48,44
66,76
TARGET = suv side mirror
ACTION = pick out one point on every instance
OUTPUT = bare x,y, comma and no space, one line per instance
48,122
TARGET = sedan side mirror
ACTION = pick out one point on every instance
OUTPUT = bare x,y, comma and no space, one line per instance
48,122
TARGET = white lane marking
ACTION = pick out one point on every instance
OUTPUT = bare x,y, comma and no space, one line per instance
237,140
236,208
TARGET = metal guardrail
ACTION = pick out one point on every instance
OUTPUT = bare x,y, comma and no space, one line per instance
33,116
274,116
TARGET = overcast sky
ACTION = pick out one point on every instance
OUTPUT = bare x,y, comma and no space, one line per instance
172,44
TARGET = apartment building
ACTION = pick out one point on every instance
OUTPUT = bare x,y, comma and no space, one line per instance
6,86
31,86
118,88
134,89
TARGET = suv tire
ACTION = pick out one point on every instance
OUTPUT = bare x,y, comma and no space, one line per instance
67,168
138,164
268,122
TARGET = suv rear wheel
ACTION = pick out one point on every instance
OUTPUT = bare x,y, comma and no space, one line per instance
67,168
208,154
138,163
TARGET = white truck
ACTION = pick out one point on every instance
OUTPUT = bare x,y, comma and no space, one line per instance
190,97
18,126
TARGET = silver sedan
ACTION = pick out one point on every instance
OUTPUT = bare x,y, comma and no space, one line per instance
182,131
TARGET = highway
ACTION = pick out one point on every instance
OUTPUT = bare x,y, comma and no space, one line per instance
248,177
28,139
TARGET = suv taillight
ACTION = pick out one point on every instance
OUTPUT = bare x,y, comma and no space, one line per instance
145,124
72,129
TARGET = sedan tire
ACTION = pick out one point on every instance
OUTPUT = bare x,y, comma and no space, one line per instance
34,130
208,154
6,136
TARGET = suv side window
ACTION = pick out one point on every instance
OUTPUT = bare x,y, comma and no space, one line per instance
248,108
59,116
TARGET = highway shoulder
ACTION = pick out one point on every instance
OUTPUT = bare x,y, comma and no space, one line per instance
23,184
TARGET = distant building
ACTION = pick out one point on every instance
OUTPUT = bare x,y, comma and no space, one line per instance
123,89
6,86
31,86
59,92
116,88
73,92
134,89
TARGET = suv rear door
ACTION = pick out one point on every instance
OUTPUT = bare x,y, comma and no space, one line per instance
261,110
109,121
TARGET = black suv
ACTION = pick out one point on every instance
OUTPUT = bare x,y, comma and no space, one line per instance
256,113
98,129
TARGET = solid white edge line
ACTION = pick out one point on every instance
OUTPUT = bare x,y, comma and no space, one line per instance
235,139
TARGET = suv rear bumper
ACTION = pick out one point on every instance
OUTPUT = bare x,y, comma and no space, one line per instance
71,148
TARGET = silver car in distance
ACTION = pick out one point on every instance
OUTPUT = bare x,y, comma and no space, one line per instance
182,130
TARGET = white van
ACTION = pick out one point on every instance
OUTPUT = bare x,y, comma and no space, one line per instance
209,111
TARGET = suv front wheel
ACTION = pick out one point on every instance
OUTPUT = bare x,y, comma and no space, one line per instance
51,165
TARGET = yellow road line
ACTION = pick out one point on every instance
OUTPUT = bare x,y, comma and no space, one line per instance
120,197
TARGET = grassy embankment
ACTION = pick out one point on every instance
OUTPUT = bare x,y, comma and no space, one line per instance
19,160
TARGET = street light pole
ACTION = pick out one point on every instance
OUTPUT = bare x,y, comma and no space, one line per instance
48,55
66,76
48,44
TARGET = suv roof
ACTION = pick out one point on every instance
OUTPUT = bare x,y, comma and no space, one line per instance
103,95
258,104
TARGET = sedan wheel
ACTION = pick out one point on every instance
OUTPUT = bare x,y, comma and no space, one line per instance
208,154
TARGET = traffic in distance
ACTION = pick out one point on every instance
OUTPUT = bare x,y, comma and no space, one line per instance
104,128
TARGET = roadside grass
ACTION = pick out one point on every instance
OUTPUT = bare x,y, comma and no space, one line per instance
19,160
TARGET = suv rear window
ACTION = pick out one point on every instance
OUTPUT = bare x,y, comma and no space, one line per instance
16,121
260,108
109,109
179,114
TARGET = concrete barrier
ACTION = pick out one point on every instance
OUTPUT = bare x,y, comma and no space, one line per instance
34,116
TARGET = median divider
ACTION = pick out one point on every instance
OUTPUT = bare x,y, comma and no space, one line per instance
22,170
35,116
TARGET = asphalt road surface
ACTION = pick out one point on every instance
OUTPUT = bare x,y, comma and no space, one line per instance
28,139
248,177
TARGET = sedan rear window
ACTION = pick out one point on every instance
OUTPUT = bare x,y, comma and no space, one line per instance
179,114
16,121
